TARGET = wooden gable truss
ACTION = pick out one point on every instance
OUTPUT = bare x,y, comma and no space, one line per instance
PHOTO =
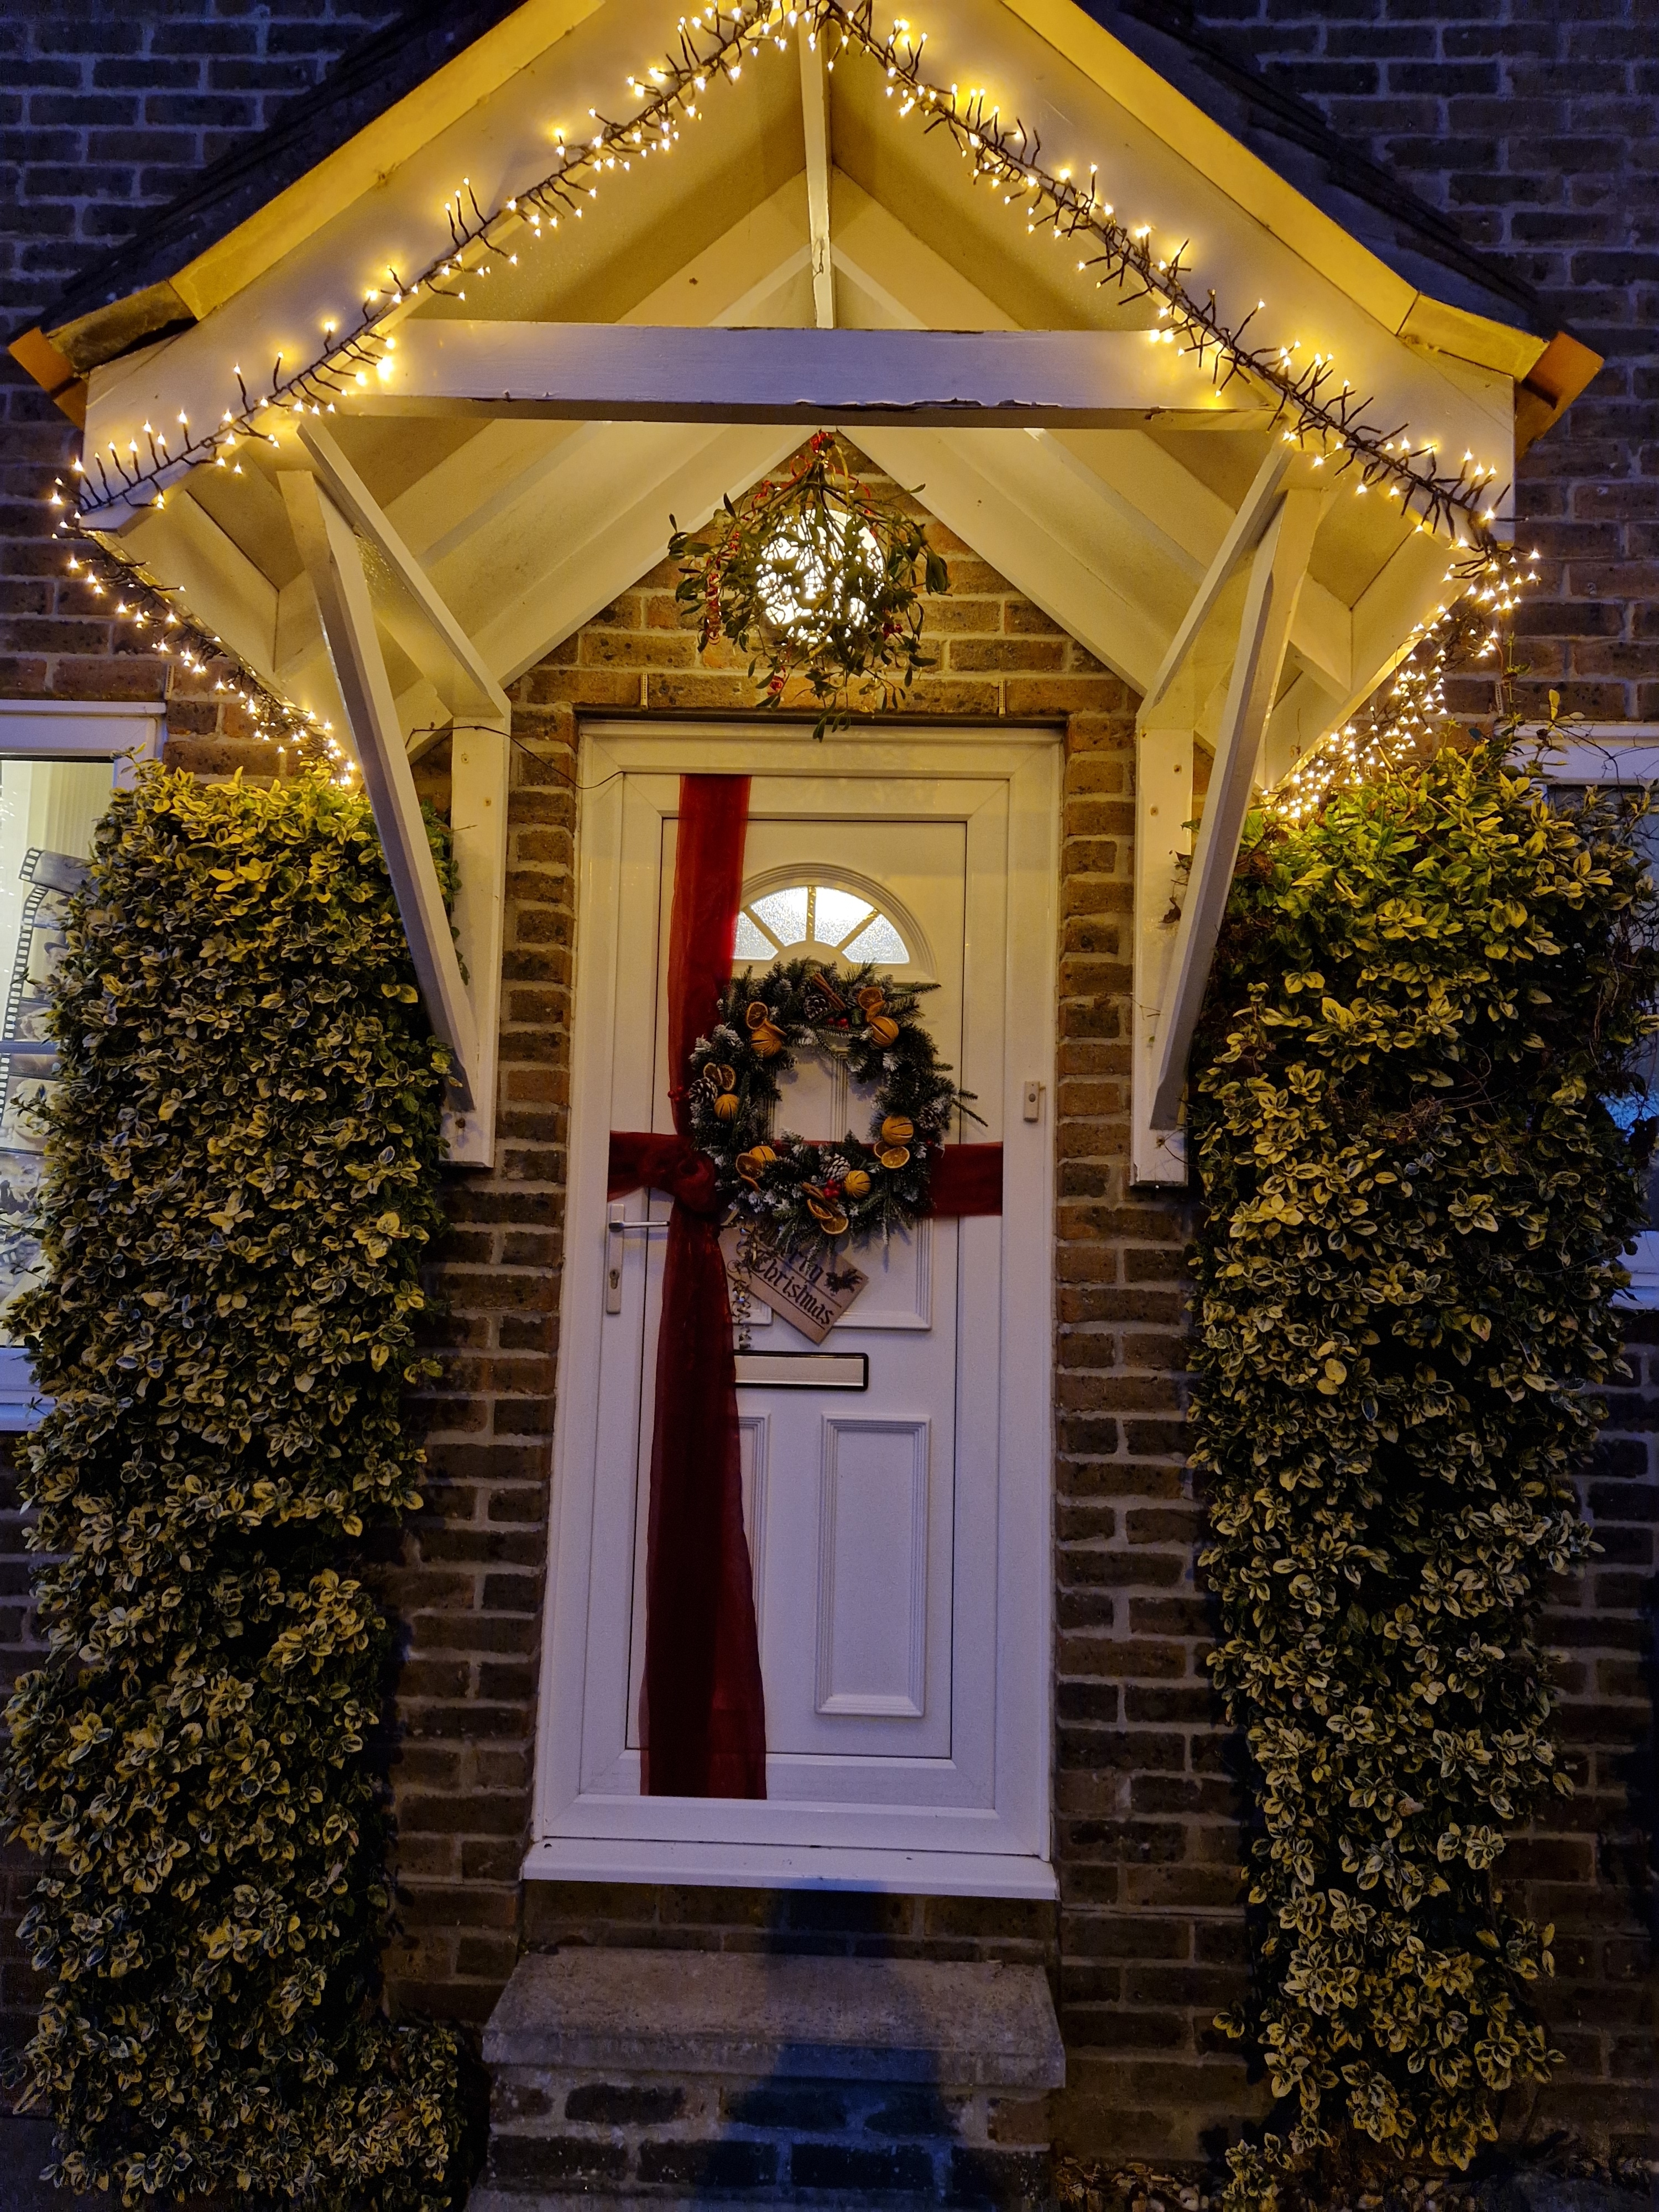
503,467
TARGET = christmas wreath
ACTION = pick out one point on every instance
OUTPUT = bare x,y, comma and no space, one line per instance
791,1191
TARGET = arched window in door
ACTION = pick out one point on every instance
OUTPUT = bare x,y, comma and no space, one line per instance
809,914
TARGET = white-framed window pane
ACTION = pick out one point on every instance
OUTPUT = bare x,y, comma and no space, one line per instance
784,913
751,945
59,761
823,921
837,915
49,810
878,942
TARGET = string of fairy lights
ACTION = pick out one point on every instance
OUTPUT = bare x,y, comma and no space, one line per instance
1410,713
150,607
1319,412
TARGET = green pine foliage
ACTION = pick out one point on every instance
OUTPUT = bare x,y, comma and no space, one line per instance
1415,1198
241,1184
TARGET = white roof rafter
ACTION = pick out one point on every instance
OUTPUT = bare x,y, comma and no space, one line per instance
542,437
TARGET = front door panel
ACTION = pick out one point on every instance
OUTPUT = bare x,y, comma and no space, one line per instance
876,1519
851,1502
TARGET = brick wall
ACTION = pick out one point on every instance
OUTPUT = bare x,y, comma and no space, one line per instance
105,111
1539,134
471,1583
1537,127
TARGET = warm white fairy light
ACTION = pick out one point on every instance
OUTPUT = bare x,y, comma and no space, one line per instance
1409,714
143,602
716,41
1323,416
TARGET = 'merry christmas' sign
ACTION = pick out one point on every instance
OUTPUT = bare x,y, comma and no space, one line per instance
813,1289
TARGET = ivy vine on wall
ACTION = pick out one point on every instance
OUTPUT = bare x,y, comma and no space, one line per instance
1414,1202
241,1182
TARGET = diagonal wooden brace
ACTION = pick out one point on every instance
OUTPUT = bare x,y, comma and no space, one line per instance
1276,570
334,563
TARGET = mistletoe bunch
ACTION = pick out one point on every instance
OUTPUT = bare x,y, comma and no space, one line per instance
815,579
794,1191
1415,1198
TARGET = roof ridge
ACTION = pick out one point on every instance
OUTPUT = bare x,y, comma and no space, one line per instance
371,77
361,83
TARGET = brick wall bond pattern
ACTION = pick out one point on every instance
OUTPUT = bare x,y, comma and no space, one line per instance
1538,132
105,110
1535,124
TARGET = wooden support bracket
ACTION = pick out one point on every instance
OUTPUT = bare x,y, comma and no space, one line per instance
333,560
427,630
1163,813
1277,569
479,771
1243,536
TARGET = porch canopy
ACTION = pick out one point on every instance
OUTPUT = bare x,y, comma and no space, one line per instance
398,400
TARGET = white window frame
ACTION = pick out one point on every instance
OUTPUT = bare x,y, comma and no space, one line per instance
126,733
1614,754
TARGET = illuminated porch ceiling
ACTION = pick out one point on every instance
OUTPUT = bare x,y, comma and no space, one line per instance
404,306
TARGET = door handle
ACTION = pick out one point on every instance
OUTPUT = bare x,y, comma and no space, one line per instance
618,1229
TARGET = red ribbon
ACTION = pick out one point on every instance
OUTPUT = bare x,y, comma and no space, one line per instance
703,1714
961,1178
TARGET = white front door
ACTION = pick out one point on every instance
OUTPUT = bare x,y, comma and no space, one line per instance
898,1514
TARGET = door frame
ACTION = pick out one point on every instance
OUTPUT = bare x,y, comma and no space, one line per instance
1003,1848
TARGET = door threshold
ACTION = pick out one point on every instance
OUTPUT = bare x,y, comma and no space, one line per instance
791,1866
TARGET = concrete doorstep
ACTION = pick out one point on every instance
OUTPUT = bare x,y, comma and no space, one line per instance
709,2079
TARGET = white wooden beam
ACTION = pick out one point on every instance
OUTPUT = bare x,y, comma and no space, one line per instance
433,641
619,371
480,756
1276,572
1164,814
480,774
334,563
1244,534
999,495
815,120
1178,520
480,752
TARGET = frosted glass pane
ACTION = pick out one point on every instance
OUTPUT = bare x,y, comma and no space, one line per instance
878,940
837,915
784,914
751,945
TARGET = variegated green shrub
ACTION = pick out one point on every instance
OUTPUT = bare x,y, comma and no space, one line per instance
241,1182
1414,1202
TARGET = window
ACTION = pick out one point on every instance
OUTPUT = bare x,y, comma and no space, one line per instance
59,761
1623,756
788,921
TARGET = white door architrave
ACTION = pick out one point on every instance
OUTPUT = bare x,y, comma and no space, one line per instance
954,1801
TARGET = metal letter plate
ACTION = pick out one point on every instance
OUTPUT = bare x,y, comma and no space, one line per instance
803,1370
